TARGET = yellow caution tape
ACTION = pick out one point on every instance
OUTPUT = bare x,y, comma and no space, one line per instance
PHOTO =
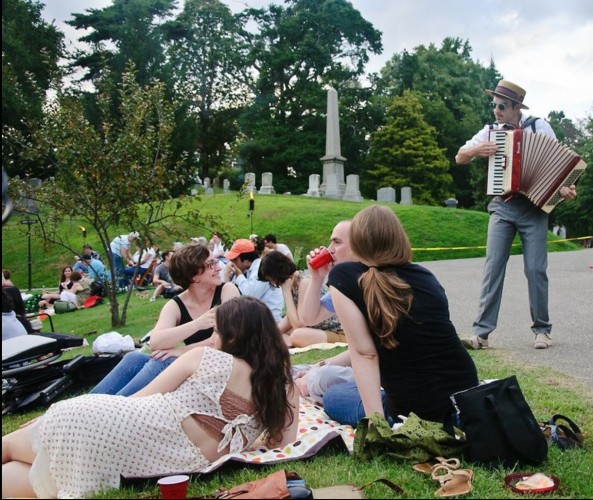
484,246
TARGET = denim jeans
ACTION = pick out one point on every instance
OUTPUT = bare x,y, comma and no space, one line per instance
134,372
342,402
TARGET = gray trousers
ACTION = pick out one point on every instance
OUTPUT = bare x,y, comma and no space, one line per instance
507,217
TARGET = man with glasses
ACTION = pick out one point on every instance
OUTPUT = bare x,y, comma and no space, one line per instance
510,214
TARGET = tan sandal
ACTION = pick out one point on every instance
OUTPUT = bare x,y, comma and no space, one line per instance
428,467
453,482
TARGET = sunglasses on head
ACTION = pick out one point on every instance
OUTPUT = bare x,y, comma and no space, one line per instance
500,106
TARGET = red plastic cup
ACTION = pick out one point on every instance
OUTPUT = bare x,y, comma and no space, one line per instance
321,259
174,486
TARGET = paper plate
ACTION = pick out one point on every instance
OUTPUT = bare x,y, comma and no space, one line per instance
512,479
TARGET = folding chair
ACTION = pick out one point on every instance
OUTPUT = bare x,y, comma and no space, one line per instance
146,275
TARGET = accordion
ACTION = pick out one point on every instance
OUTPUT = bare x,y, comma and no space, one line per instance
532,164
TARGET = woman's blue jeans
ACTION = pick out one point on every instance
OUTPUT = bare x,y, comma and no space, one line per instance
342,402
134,372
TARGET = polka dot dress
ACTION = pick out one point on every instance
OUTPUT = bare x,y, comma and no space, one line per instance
90,440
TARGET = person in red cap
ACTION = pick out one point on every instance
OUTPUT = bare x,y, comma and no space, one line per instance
242,256
243,270
510,214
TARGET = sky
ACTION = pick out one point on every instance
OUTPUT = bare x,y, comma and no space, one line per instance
545,46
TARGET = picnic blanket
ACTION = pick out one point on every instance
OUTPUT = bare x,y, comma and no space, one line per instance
315,430
325,346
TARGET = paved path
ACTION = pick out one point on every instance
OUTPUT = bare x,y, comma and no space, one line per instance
571,309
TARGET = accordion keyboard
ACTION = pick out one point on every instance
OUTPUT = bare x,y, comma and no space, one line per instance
497,164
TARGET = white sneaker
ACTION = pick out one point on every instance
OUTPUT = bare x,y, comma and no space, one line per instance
152,299
542,341
475,342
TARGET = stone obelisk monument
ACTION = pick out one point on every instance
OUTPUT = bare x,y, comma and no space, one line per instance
333,185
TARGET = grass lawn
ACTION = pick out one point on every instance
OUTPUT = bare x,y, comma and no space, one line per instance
305,223
547,393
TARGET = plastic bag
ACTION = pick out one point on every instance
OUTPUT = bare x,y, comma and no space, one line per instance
113,343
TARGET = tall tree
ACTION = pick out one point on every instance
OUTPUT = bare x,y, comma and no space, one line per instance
404,152
31,49
577,215
107,177
125,31
297,51
206,65
450,87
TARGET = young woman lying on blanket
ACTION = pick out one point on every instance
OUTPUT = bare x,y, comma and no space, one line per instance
187,318
208,403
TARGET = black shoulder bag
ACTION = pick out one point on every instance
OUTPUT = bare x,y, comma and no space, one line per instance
499,425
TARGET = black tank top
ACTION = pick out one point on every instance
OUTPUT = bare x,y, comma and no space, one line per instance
186,318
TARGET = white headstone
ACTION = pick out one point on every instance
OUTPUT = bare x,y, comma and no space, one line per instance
332,190
386,194
206,182
266,184
250,181
226,186
406,198
314,186
352,192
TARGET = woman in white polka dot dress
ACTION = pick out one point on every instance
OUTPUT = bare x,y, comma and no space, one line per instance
208,403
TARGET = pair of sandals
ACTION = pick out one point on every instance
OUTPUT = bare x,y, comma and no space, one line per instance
565,435
453,480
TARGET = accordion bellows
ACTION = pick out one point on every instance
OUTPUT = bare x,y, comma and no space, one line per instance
532,164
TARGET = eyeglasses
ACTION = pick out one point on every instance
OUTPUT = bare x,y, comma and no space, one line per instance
500,106
211,264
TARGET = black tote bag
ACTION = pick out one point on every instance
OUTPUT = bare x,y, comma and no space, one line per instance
499,425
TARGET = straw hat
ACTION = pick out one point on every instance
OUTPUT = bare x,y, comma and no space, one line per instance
509,90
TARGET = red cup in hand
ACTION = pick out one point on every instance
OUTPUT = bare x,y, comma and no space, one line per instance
321,259
174,486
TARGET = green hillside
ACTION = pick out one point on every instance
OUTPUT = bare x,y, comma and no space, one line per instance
298,221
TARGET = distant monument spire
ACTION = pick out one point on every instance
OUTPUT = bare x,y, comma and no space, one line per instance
333,185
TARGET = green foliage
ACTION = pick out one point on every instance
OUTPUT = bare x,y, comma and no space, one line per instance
207,72
298,50
31,49
299,222
405,153
132,28
577,215
450,86
117,173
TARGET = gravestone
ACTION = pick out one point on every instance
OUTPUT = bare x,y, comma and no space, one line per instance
226,186
332,189
406,198
451,203
250,182
352,192
386,194
314,186
206,182
266,184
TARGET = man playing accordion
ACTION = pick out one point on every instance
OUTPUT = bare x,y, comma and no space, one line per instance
511,213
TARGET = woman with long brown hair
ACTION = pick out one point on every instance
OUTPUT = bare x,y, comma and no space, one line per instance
396,318
208,403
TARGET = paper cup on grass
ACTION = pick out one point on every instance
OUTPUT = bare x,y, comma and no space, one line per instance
174,486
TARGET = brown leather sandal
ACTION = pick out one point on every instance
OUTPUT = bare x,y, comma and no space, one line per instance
428,467
453,482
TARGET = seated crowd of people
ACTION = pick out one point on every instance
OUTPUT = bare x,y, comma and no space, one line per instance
219,376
